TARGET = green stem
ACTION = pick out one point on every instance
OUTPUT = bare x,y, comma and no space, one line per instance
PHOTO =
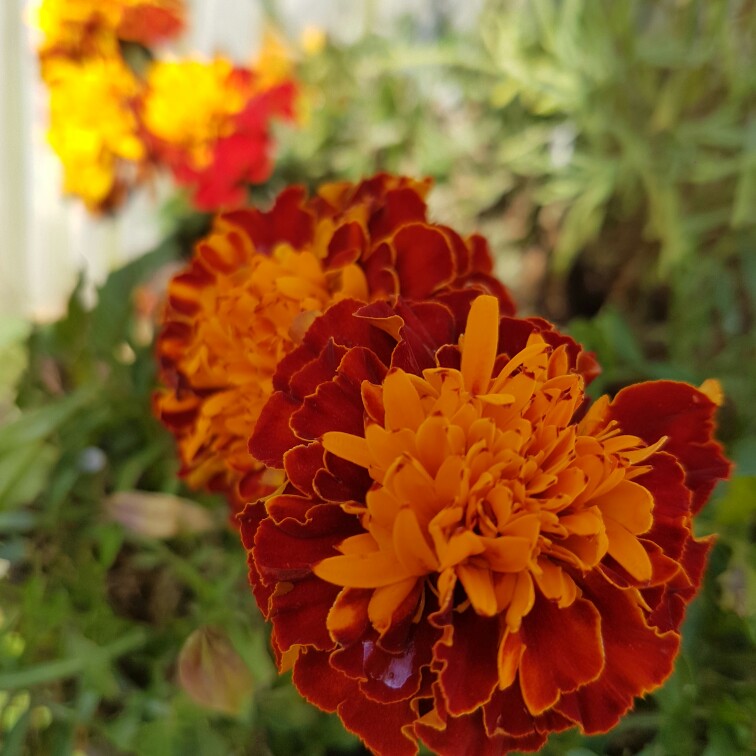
62,668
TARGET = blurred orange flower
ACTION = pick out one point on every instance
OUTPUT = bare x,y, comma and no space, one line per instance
257,282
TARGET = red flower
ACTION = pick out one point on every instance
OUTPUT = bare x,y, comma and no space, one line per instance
258,281
464,552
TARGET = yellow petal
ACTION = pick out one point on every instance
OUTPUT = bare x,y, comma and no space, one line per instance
523,598
478,584
629,504
628,550
372,570
480,344
386,600
712,388
412,549
348,447
401,402
510,652
508,554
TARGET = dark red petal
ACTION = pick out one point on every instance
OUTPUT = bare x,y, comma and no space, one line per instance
401,206
666,482
249,520
684,414
335,406
467,735
424,260
459,302
273,436
380,272
346,246
336,324
507,714
553,665
287,550
341,481
467,654
290,505
318,370
319,682
301,465
460,252
287,221
382,727
638,660
378,725
250,487
670,601
480,255
427,327
298,612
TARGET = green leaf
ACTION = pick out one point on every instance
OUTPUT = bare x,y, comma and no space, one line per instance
13,741
24,473
39,423
738,505
17,521
112,313
60,669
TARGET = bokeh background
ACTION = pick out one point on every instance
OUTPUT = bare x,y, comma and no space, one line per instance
607,151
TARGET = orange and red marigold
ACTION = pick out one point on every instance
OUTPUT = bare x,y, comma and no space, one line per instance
463,550
256,283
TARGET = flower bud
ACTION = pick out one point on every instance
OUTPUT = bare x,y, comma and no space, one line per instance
212,672
157,515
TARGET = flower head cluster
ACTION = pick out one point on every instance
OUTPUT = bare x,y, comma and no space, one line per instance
209,123
258,281
112,125
465,551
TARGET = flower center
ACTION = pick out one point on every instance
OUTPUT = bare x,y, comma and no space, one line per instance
483,477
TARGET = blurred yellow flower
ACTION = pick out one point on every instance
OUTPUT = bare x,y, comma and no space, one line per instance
93,127
78,27
313,40
191,103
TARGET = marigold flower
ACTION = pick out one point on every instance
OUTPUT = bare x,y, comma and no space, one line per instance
257,282
464,552
93,126
209,122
